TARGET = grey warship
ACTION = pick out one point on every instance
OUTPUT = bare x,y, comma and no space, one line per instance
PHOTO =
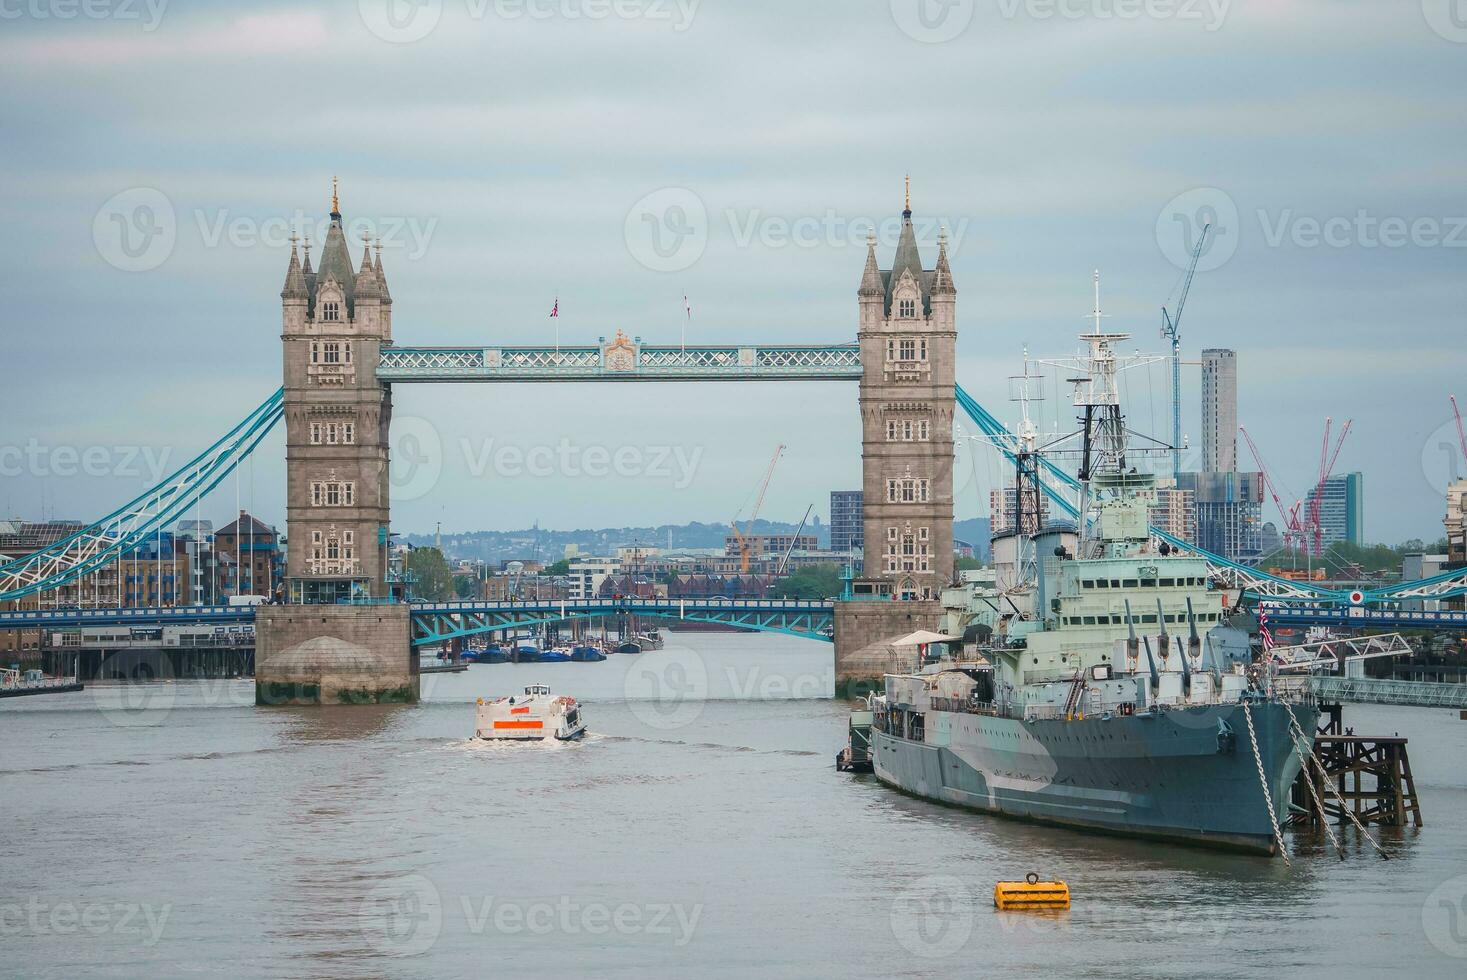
1123,700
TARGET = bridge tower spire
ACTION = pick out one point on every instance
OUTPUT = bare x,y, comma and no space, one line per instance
337,415
907,337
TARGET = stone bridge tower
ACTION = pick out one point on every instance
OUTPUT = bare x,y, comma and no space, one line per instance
334,323
907,336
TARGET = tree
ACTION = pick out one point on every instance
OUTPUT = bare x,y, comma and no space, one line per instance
810,582
465,586
561,567
967,564
435,581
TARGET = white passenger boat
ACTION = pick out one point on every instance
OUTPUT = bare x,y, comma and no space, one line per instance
536,714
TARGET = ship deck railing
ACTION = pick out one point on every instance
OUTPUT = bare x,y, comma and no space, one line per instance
967,706
1055,712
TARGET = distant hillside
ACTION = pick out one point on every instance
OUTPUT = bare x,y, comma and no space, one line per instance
550,545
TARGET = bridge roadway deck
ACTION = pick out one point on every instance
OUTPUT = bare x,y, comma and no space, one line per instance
1359,617
799,616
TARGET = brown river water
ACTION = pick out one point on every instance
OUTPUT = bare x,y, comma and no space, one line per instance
699,831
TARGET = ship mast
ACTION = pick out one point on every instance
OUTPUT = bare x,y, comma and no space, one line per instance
1103,433
1028,518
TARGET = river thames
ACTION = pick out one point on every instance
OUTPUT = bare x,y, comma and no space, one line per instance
701,829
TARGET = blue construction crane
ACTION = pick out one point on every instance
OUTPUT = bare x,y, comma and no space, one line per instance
1171,329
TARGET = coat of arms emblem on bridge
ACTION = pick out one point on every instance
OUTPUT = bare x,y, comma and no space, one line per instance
620,354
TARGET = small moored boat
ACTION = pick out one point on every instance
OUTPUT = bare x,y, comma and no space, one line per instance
534,715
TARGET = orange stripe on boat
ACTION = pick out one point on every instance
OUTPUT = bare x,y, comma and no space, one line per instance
519,724
520,711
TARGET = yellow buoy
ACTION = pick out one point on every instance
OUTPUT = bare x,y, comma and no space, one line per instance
1031,893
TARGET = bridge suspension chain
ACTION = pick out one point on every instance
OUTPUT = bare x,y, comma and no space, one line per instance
124,529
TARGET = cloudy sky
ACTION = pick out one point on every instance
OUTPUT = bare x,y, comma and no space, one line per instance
157,156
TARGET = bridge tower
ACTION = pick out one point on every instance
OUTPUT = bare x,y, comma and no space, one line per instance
317,648
908,339
907,336
334,324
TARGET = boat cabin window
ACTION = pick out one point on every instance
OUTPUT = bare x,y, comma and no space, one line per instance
1148,619
1088,584
1101,584
1130,583
1148,583
1167,583
1115,583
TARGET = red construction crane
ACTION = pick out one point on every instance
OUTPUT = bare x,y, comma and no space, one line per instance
1294,536
1327,459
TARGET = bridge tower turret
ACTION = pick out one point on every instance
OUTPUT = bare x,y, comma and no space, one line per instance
334,323
907,336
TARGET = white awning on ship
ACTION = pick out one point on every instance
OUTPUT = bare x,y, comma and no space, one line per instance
923,637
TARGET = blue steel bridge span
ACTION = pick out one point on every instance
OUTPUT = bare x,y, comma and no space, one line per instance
436,622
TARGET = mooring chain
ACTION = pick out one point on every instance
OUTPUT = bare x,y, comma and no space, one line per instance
1314,794
1324,778
1263,781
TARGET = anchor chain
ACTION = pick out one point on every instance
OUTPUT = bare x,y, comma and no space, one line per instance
1263,782
1324,778
1314,794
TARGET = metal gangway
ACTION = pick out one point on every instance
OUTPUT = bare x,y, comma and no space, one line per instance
1373,690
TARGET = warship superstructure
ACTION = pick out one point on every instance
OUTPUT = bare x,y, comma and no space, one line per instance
1112,692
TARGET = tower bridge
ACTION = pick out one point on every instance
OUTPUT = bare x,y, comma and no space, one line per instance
344,630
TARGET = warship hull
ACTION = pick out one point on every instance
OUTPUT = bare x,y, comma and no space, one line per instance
1187,775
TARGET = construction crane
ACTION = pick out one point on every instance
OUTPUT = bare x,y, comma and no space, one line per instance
784,562
1327,458
1294,536
742,537
1171,329
1461,434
